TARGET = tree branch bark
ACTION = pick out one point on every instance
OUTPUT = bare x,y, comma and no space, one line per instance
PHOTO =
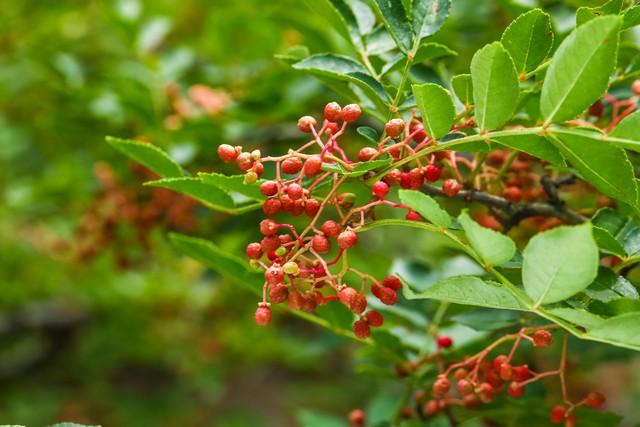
511,214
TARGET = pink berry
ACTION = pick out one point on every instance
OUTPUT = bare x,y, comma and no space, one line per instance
254,250
291,165
227,153
394,127
366,153
361,328
332,111
374,318
306,123
444,341
451,187
347,239
351,112
330,228
432,173
312,166
380,189
294,191
262,315
269,188
320,244
268,227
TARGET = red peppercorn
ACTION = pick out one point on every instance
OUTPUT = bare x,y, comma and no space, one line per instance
262,315
356,418
374,318
306,123
557,414
268,227
291,165
394,127
347,239
635,87
294,191
418,132
440,387
269,188
274,274
311,207
542,338
271,206
351,112
520,373
332,111
594,400
380,189
413,216
432,173
451,187
392,282
366,153
278,293
464,387
512,194
515,389
254,250
361,329
393,177
405,180
330,228
386,295
320,244
444,341
431,408
331,128
312,166
227,153
358,304
506,372
244,161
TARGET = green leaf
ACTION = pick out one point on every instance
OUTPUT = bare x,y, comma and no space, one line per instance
233,183
359,169
365,17
585,14
535,145
577,316
293,54
426,206
624,139
631,17
608,286
606,167
621,228
436,108
340,15
628,128
315,419
395,20
370,133
607,243
219,260
495,86
379,41
559,263
623,330
463,88
148,155
209,195
494,248
345,69
428,16
426,52
580,69
528,39
468,290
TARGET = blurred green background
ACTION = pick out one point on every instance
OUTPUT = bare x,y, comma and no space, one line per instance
101,320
